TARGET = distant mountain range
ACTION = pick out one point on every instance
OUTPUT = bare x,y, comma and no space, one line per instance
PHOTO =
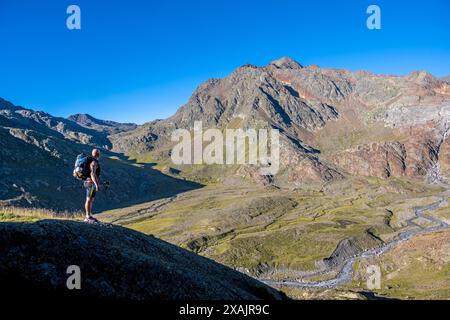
37,153
333,123
107,126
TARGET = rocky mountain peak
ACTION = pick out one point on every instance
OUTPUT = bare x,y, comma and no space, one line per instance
317,110
446,79
6,105
286,63
419,75
81,117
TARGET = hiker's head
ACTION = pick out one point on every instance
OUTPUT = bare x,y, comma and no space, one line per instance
96,153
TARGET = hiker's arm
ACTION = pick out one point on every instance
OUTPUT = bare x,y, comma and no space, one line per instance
94,177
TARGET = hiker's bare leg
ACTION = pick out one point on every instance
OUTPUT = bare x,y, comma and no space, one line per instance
88,207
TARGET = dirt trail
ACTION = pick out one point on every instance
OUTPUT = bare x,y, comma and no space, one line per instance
142,213
344,272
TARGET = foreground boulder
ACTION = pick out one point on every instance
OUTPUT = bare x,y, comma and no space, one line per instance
115,263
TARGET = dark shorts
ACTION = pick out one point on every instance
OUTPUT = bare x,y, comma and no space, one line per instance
90,189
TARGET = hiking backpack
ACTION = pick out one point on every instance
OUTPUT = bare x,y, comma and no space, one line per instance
81,169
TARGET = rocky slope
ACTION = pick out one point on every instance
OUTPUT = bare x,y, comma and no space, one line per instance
115,263
333,122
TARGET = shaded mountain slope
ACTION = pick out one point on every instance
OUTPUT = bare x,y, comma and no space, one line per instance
37,153
115,263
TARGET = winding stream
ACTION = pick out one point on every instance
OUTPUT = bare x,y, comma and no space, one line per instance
345,270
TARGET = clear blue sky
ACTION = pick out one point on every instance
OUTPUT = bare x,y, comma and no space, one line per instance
140,60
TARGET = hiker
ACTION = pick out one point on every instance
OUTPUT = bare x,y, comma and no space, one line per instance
92,184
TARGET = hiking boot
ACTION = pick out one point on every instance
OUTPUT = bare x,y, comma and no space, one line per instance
91,220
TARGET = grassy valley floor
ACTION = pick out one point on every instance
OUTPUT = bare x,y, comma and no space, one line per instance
268,232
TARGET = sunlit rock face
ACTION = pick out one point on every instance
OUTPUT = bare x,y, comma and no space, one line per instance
332,122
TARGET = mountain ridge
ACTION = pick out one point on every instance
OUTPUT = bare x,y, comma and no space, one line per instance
305,103
108,126
333,124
